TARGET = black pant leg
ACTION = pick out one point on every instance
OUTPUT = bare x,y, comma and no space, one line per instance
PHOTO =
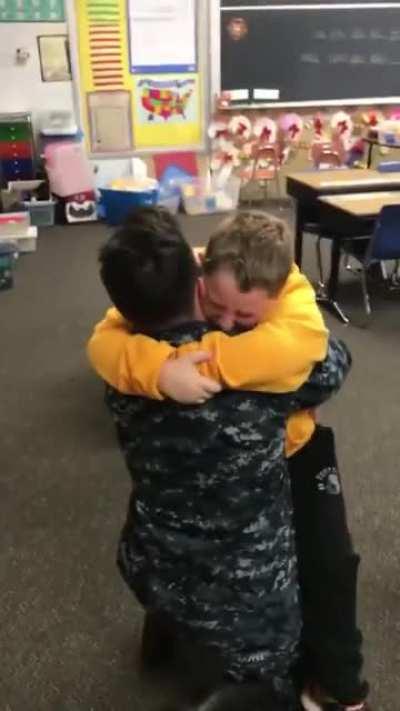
328,569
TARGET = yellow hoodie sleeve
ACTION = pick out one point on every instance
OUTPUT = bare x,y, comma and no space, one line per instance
277,356
130,364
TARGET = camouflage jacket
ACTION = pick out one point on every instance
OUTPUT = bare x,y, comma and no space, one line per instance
209,536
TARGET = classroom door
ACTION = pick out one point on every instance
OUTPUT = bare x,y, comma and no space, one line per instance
110,121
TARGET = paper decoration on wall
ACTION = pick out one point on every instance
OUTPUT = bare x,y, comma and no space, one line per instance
319,126
105,44
341,123
166,109
166,100
218,129
32,11
110,121
292,126
54,58
162,36
265,129
237,28
240,126
372,118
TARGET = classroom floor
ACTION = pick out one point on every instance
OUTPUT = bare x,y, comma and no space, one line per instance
68,627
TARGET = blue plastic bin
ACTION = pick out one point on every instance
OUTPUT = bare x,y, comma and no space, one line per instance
118,204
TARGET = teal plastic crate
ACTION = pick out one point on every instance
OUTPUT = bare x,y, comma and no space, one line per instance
42,212
8,254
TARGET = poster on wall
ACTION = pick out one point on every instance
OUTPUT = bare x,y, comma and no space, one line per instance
32,11
162,36
167,110
54,58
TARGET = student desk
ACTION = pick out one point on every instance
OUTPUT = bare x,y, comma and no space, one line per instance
343,217
372,142
307,187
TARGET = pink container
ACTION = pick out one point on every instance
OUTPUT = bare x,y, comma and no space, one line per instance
68,169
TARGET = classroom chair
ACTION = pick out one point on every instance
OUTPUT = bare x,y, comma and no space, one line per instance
325,157
266,166
383,246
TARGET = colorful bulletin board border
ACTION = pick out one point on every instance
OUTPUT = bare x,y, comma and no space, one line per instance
103,59
167,110
32,11
104,63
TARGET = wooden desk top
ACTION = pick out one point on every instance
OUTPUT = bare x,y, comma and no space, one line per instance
352,178
362,205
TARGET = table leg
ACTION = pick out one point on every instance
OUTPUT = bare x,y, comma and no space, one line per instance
329,299
298,249
369,159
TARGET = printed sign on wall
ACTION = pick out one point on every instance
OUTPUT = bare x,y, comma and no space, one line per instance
32,11
162,36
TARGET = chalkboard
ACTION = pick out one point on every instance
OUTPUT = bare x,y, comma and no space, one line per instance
311,52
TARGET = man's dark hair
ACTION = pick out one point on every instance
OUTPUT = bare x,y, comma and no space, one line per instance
149,270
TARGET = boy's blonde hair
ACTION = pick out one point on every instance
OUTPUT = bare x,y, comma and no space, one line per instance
256,247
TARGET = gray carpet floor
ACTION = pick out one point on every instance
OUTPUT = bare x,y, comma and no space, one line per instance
68,627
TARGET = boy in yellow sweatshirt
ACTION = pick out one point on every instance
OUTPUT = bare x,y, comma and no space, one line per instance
289,337
250,281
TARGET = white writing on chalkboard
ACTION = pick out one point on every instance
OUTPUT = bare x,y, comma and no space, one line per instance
375,59
337,35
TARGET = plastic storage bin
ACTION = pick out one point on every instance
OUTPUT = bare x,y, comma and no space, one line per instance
42,212
25,241
117,204
170,198
8,252
201,198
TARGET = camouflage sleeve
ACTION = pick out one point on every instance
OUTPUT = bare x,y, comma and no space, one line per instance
325,380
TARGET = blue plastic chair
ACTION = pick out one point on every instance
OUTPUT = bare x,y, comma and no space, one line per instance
383,246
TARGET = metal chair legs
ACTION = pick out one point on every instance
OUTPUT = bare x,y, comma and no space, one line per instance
364,286
321,283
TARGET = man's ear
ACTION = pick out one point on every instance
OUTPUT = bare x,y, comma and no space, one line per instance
201,288
199,296
199,253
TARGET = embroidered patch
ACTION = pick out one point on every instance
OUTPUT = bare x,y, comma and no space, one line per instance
328,481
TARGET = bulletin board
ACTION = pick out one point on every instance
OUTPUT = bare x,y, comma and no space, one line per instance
32,11
128,108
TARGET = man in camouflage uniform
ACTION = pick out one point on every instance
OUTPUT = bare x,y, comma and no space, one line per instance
209,536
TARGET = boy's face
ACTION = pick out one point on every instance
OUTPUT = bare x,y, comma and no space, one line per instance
223,303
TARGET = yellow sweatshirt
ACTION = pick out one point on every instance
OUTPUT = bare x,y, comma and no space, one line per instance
276,356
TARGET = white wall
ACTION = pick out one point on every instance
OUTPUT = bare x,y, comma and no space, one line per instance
22,88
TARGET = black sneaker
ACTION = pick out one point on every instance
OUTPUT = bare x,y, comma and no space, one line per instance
314,699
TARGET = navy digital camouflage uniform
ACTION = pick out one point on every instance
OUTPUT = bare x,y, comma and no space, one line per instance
209,536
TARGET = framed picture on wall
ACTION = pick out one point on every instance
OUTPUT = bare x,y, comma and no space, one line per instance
55,63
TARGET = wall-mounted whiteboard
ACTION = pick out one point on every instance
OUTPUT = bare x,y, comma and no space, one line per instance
162,36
